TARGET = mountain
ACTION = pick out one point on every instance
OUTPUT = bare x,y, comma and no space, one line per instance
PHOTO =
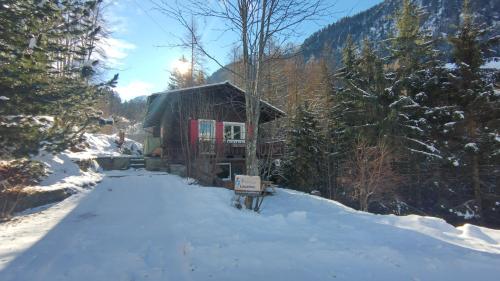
221,75
140,99
440,17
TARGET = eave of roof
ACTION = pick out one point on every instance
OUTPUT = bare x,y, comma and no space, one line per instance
152,116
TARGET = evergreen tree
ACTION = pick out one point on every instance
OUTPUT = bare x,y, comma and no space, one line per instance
304,159
349,55
416,86
471,130
360,104
47,68
415,75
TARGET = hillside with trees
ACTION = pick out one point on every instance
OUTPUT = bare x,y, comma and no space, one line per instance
405,134
393,127
439,19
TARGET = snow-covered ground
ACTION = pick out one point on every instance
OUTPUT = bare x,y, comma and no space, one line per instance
101,145
65,173
138,225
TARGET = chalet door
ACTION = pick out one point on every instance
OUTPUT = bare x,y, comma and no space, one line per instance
206,140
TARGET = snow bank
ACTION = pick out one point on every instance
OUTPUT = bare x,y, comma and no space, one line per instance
101,145
138,225
63,170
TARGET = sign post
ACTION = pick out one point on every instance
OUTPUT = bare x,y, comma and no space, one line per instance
250,187
247,184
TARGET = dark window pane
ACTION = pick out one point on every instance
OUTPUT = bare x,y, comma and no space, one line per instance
237,132
224,171
227,132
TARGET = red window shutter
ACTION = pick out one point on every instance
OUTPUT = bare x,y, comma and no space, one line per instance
219,132
193,131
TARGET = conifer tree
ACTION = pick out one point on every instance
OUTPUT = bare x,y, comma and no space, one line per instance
304,160
472,128
360,103
47,68
349,55
415,77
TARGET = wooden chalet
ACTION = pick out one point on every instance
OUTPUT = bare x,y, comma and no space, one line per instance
201,131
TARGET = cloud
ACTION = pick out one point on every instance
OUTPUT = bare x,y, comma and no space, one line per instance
114,51
134,89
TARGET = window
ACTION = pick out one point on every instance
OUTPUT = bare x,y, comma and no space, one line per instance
206,129
234,132
224,171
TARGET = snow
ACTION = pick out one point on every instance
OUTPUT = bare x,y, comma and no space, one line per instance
138,225
42,121
454,161
101,145
450,65
472,146
64,172
492,63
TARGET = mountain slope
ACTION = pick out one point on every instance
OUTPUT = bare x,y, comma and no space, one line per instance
377,23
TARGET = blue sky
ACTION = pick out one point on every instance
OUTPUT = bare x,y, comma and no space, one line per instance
138,32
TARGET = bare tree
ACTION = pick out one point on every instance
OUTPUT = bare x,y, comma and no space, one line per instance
192,42
371,174
255,22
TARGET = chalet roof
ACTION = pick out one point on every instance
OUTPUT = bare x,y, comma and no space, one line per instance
158,102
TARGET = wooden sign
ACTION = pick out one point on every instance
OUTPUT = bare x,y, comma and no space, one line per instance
247,184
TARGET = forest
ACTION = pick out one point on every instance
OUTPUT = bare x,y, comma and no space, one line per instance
392,128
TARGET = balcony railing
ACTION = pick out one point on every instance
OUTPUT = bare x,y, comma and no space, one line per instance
226,149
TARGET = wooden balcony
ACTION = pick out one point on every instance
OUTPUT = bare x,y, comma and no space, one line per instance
225,150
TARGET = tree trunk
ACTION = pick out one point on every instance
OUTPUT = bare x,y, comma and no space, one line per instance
363,202
253,91
477,185
252,163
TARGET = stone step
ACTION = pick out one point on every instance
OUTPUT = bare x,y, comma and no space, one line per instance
137,159
137,163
